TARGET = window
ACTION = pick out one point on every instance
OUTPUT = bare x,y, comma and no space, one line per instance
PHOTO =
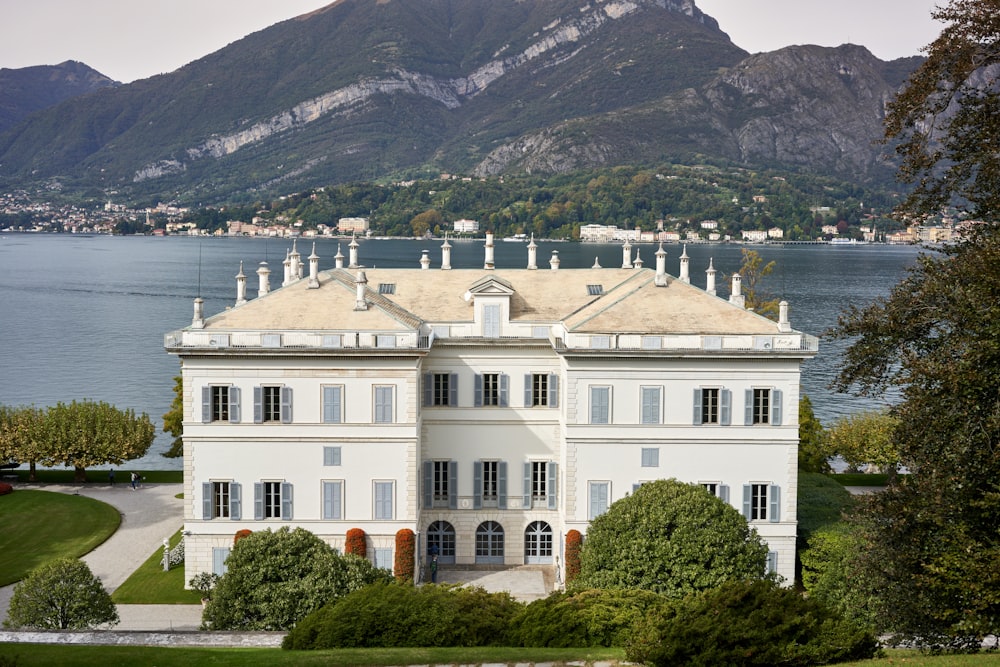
272,403
491,321
333,503
383,405
595,290
387,288
763,406
491,389
441,541
712,406
540,484
333,404
219,556
650,457
220,403
272,500
599,492
489,484
538,543
720,491
600,405
441,389
440,480
383,509
541,390
441,484
331,456
383,558
489,543
650,405
772,562
220,500
762,502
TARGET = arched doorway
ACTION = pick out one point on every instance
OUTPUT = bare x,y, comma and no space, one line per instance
441,535
538,544
489,543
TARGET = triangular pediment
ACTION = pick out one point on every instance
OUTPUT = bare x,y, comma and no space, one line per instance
491,285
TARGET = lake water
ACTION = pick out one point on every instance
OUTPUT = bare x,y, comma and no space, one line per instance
83,317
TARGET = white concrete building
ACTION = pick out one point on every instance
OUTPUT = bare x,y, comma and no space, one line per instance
488,410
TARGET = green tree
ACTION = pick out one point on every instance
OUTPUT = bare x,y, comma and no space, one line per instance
813,454
425,221
61,595
274,579
947,119
830,573
752,271
21,436
672,538
173,420
866,438
86,433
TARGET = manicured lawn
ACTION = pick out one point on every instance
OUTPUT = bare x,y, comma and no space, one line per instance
101,656
56,476
39,526
151,585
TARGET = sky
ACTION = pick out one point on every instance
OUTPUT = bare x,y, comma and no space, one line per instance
134,39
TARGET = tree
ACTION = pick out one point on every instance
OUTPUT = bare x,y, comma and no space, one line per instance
274,579
752,271
425,221
672,538
173,420
830,575
866,438
21,437
86,433
947,119
61,595
813,452
932,551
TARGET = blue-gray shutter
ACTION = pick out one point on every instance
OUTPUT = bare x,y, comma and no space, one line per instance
746,501
598,499
528,391
553,391
748,407
331,405
724,493
477,391
383,405
428,389
650,405
234,405
219,556
453,390
772,562
383,501
258,405
206,500
776,407
600,405
286,405
526,500
206,404
428,484
725,406
551,488
502,485
491,321
504,387
331,456
452,485
331,501
286,501
235,502
258,501
477,485
774,503
697,407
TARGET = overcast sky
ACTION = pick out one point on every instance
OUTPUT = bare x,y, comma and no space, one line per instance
134,39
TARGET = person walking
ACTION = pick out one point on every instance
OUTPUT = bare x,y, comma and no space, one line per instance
135,480
111,477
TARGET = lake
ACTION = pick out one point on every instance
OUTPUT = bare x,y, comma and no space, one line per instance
83,317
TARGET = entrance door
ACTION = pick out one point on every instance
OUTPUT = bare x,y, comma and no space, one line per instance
489,543
441,535
538,544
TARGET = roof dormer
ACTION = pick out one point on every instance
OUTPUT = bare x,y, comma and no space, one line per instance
490,297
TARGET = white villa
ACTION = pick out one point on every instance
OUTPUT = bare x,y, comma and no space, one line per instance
488,410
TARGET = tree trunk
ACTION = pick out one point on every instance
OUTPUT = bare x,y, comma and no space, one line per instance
80,475
31,472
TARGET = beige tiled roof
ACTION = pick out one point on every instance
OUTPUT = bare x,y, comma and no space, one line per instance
630,303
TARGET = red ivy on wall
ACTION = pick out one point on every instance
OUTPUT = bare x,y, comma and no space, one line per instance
405,553
240,534
574,540
356,543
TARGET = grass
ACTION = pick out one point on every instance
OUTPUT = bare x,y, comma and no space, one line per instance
57,476
151,585
40,526
101,656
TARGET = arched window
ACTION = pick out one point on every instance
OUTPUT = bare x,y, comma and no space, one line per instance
441,536
489,543
538,543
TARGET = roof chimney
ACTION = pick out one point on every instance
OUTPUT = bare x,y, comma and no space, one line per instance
488,264
198,322
661,267
241,287
637,264
361,283
263,279
627,255
554,260
296,267
288,269
685,266
532,254
597,263
736,295
313,268
425,260
445,254
353,250
338,259
710,278
784,326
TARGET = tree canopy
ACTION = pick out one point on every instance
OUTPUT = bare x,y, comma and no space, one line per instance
672,538
61,595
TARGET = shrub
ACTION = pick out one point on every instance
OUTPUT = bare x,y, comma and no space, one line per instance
584,618
61,595
747,623
5,488
574,540
396,615
240,534
356,543
204,583
405,556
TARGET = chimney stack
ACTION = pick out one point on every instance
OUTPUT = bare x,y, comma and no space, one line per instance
710,278
736,296
361,283
488,264
338,259
627,255
532,254
784,326
445,255
313,268
353,250
263,279
241,287
425,260
198,322
554,261
685,266
661,267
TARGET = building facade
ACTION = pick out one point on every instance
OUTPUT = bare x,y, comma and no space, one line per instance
489,410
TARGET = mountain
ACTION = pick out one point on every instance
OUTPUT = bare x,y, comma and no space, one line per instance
365,89
26,90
